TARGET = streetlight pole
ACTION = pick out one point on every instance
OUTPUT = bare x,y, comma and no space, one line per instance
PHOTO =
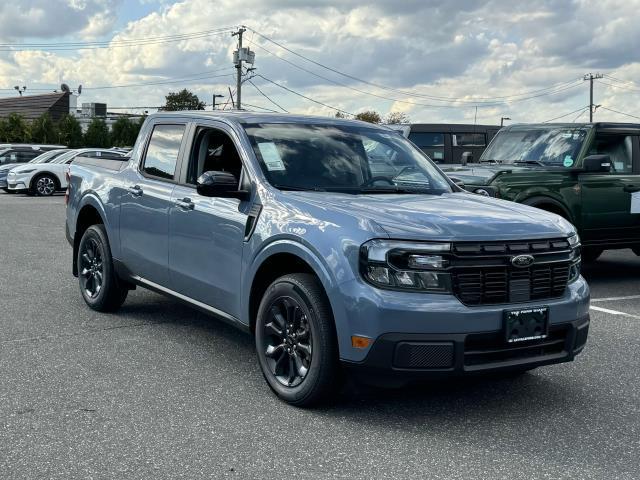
215,95
502,119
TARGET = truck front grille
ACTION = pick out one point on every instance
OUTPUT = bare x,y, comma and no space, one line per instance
482,274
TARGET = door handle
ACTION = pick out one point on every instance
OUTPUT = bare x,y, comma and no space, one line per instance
136,190
185,204
631,188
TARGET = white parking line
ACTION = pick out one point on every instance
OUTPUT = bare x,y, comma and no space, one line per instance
611,299
613,312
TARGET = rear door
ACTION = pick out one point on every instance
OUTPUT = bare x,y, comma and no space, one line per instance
606,197
146,202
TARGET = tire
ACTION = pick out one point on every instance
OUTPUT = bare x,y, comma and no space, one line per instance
590,254
44,185
300,364
99,286
636,250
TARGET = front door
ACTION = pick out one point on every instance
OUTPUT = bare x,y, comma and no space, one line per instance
606,197
206,234
145,205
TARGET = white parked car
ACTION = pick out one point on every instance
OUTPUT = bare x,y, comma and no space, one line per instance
44,179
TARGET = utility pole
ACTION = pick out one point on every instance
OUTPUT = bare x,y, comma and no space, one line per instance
591,77
238,58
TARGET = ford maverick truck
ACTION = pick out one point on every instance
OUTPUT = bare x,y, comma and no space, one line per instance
587,173
337,244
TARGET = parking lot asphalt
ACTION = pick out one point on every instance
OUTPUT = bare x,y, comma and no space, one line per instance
158,390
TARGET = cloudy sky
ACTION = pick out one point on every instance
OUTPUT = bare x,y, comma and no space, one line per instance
434,60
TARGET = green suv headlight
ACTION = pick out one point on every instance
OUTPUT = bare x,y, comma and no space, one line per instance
414,266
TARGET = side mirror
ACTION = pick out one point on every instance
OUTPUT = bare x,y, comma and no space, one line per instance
458,182
597,164
220,184
467,157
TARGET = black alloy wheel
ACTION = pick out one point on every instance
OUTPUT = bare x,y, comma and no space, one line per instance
91,268
100,287
296,340
288,342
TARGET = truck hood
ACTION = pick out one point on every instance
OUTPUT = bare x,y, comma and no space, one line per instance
451,216
480,174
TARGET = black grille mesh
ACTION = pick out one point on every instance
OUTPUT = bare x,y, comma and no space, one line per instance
424,355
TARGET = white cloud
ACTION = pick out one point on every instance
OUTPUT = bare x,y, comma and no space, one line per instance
466,49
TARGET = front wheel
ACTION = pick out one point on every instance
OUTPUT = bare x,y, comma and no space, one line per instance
295,340
45,185
99,285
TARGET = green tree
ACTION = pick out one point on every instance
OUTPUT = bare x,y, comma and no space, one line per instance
395,118
70,132
17,130
124,132
3,130
97,134
183,100
43,130
341,115
370,116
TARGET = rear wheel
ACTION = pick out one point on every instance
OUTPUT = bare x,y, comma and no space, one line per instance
44,185
295,340
99,285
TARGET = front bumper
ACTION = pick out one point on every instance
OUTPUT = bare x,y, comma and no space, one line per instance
397,359
16,182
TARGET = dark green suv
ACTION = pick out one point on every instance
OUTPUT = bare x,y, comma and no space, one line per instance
587,173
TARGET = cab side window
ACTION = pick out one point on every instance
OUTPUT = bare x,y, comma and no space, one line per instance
162,153
619,149
213,150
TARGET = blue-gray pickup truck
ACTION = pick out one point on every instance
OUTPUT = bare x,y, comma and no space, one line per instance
337,244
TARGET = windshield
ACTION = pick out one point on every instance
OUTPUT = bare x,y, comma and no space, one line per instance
549,146
47,157
349,159
65,156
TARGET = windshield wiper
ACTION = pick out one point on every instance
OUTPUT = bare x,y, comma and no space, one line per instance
493,162
295,188
530,162
395,189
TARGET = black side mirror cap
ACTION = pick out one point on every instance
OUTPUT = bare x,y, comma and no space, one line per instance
597,164
220,184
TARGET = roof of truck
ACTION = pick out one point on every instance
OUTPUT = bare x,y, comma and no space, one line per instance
615,125
243,116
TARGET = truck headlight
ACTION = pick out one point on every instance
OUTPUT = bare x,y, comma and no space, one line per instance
574,269
397,265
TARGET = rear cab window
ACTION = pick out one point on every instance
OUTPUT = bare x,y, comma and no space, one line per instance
161,156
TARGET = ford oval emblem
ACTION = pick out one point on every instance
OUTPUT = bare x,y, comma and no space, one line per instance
522,261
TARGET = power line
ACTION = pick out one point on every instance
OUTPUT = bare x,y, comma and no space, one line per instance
582,112
573,84
267,97
621,113
404,92
304,96
113,43
565,115
186,79
623,87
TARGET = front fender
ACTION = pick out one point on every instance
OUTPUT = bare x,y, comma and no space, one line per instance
320,268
